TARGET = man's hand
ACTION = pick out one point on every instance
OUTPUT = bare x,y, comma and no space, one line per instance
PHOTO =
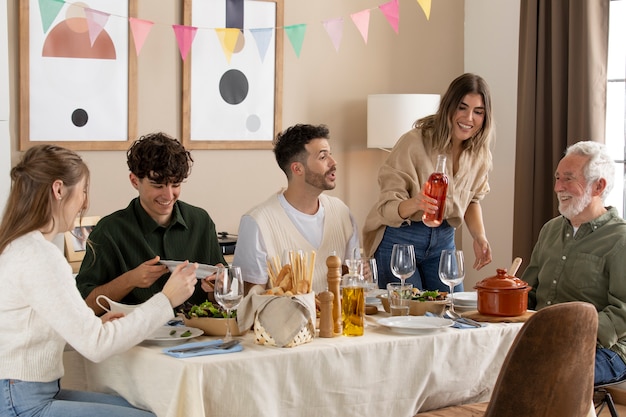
145,274
208,283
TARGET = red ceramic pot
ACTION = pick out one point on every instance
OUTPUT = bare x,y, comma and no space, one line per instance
502,295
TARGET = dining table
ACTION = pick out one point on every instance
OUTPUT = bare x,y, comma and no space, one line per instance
385,372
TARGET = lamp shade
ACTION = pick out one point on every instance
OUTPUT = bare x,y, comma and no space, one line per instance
389,116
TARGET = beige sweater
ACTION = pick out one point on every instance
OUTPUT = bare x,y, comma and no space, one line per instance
407,168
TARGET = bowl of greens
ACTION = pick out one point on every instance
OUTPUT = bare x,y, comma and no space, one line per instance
210,318
421,302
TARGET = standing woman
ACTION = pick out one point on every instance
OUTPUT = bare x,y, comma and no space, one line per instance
40,306
461,129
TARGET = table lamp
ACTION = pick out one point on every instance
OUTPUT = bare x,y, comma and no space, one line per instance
389,116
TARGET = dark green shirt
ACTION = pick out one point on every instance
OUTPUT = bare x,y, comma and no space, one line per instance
125,239
587,266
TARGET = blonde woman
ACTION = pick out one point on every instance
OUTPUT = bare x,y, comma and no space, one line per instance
462,130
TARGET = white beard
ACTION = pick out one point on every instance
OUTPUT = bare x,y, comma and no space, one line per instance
575,205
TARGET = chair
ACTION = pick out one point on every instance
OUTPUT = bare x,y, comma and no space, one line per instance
548,370
602,397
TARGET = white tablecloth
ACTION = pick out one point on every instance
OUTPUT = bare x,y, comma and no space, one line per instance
382,373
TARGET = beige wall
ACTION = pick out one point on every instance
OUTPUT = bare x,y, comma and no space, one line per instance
321,86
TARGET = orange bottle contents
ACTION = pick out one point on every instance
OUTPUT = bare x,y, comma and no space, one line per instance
437,188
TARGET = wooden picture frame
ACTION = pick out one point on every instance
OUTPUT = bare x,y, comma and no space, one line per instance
75,239
212,109
65,87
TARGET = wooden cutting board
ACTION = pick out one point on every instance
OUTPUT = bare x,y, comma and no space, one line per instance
475,315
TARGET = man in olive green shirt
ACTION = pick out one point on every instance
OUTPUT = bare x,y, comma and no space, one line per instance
122,259
581,255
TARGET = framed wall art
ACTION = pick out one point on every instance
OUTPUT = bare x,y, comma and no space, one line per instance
77,77
76,239
232,77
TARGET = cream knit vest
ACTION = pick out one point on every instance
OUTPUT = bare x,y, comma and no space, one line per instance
280,234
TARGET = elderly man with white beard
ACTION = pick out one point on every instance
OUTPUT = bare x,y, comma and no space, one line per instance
581,255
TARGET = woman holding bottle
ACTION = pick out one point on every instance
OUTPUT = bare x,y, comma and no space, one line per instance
460,131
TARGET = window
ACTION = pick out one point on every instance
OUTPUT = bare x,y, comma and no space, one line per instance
616,101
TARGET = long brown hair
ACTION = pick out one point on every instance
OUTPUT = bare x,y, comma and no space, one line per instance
30,203
438,127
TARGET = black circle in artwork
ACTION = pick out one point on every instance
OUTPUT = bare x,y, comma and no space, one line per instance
234,86
79,117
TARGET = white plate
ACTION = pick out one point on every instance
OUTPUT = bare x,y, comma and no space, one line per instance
415,324
202,272
469,298
164,334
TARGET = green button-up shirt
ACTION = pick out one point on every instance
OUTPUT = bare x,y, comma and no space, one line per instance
587,266
125,239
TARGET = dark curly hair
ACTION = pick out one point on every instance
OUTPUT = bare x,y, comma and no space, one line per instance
160,158
289,144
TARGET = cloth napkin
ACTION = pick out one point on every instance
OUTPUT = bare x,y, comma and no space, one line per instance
456,324
282,317
168,351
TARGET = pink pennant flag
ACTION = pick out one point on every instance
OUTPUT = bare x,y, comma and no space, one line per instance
184,36
392,13
362,22
425,5
96,20
334,28
140,29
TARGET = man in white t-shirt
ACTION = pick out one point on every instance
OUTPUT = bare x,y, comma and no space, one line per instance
299,217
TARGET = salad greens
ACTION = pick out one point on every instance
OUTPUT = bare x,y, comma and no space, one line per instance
428,295
206,309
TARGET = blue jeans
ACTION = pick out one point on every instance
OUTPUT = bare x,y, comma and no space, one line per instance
46,399
428,243
609,367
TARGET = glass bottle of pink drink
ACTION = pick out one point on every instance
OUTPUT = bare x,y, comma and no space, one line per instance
437,188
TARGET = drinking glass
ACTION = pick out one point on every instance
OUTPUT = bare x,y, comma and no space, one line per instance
228,292
370,274
403,261
451,271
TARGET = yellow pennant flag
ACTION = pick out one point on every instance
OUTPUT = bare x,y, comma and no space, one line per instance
425,5
228,38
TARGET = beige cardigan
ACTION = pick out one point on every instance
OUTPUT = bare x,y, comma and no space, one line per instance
408,166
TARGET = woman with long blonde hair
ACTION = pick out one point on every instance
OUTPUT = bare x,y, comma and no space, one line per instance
40,307
461,130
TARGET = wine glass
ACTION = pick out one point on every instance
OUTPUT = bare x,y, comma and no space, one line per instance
451,271
402,261
228,292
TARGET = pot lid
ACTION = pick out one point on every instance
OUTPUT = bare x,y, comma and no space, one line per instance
501,281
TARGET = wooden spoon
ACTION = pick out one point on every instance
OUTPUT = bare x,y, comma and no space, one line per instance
515,266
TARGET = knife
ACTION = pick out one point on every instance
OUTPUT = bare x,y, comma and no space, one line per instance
220,346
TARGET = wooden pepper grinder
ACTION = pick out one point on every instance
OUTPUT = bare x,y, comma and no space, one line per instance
326,314
334,278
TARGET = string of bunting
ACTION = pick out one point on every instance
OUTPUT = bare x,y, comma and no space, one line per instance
140,28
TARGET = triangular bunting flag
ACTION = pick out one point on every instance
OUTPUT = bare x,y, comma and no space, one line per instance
96,21
295,33
49,10
391,12
184,36
362,22
228,38
140,29
425,5
262,37
334,28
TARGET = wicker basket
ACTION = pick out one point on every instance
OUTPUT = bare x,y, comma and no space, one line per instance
262,337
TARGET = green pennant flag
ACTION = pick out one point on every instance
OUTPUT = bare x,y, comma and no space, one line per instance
296,36
49,10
